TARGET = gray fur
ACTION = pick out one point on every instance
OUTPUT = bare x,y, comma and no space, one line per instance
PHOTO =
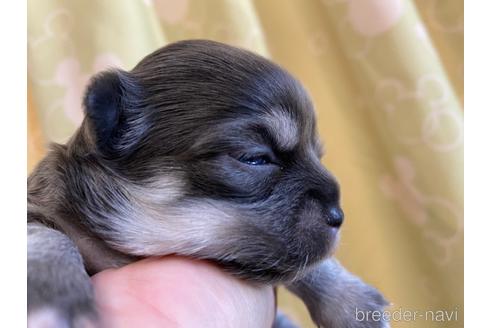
203,150
330,286
282,321
56,278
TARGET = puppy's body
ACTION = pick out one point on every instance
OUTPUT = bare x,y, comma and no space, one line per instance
202,150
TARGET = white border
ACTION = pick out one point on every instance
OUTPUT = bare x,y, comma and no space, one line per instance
13,124
478,163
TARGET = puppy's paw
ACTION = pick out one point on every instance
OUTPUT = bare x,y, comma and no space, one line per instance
282,321
359,306
51,317
60,304
59,290
367,308
336,298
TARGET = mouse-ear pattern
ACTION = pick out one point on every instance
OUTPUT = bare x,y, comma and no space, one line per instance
112,102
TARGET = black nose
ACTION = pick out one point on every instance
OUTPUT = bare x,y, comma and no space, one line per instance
335,217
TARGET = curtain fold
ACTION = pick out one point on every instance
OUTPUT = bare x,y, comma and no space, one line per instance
386,78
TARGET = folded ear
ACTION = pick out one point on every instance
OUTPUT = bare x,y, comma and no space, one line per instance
111,104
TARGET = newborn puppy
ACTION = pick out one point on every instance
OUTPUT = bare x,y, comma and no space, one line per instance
202,150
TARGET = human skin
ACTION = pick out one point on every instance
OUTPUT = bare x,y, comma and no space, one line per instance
179,292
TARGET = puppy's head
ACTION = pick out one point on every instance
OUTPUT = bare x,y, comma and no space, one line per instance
214,154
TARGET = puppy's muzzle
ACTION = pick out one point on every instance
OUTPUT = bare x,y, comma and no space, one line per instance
318,207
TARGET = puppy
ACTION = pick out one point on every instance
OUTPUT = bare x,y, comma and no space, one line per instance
202,150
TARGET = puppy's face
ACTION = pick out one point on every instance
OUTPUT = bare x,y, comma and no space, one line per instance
220,157
266,169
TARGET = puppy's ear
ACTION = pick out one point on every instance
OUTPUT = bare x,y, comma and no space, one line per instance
111,104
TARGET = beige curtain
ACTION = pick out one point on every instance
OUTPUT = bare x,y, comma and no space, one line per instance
386,77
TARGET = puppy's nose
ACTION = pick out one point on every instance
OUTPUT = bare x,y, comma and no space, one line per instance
335,216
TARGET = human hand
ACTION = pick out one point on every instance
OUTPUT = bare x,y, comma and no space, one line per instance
178,292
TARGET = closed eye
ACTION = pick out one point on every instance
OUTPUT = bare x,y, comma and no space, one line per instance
263,159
